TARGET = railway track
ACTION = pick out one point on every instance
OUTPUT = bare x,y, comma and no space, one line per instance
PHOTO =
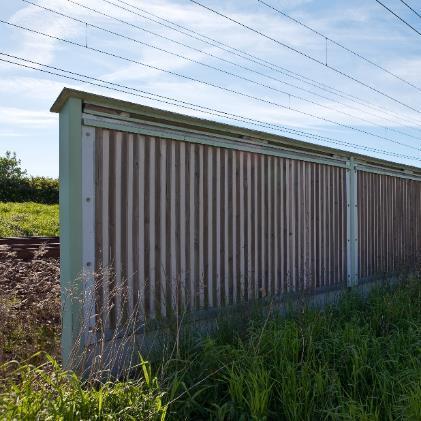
25,247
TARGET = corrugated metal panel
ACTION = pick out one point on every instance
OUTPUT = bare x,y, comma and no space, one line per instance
184,225
389,227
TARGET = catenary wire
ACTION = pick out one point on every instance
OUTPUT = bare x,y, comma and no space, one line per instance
213,85
338,44
348,97
184,104
239,53
410,8
202,52
85,23
398,17
307,56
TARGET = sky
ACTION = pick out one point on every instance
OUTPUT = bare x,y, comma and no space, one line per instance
279,78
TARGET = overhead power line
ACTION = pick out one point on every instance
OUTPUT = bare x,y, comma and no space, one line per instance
307,56
196,50
338,44
74,76
411,8
86,24
398,17
237,52
213,85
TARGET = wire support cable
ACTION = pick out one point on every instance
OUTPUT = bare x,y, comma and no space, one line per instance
196,50
410,8
213,85
307,56
86,24
338,44
398,17
79,77
240,53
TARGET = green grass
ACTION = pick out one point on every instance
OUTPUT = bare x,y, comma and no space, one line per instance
360,360
28,219
48,392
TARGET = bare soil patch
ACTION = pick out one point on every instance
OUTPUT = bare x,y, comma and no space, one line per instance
29,306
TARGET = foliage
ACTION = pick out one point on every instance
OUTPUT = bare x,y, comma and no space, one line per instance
16,186
28,219
12,177
42,190
49,392
360,360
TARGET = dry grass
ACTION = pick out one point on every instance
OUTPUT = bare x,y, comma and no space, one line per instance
29,307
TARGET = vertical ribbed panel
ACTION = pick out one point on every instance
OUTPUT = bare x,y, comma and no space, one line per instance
389,227
182,225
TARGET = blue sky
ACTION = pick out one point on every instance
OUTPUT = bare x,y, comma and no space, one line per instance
27,126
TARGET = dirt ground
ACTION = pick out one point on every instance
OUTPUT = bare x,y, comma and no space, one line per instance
29,307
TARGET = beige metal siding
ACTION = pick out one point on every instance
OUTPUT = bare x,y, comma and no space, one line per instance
183,225
389,227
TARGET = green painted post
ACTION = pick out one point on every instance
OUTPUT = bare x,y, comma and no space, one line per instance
70,224
352,222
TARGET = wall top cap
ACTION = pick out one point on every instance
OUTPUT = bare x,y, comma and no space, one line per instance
210,127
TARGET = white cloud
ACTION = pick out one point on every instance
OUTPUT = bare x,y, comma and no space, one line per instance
24,118
408,68
38,47
9,134
30,87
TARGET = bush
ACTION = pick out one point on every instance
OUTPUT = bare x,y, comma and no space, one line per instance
13,179
42,190
16,186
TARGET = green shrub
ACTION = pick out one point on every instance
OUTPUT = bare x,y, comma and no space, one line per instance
16,186
13,180
42,190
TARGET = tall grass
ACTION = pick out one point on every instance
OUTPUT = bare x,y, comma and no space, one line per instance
360,360
28,219
48,392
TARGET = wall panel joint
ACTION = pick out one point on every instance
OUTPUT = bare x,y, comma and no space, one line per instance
352,223
88,233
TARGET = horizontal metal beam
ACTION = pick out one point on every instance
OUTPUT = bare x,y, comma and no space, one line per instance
246,145
383,171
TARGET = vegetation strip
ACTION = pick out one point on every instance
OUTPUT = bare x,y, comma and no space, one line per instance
28,219
358,360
